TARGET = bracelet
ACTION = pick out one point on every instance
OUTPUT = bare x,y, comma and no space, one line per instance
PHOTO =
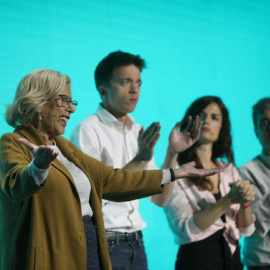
244,206
172,175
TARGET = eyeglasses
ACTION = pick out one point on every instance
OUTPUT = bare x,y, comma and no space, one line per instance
64,101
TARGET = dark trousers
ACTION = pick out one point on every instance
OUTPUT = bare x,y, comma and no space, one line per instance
91,242
128,255
211,253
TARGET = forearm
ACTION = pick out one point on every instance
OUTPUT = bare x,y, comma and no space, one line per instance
163,198
119,185
170,160
244,217
204,219
136,164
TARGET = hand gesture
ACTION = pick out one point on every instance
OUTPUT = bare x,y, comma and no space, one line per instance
180,141
147,140
242,192
189,170
43,155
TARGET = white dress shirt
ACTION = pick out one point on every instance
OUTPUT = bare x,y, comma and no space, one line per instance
107,139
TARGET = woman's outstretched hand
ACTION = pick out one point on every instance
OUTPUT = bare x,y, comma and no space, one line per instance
43,154
189,170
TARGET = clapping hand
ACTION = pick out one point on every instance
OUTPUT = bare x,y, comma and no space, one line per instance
147,140
43,154
180,141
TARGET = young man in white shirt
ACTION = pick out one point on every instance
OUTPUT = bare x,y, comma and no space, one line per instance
256,248
112,136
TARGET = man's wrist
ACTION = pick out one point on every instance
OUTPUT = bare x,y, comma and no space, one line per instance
140,161
135,164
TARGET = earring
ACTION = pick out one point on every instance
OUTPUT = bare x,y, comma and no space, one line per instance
39,117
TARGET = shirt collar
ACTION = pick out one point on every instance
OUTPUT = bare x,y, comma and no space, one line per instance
108,119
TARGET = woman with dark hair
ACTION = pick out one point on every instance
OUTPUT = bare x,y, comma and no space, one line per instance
208,214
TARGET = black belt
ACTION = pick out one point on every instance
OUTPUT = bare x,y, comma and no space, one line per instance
127,237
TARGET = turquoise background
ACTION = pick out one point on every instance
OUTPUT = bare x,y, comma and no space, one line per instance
192,48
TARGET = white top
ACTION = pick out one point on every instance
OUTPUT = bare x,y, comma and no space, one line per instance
187,199
256,248
106,139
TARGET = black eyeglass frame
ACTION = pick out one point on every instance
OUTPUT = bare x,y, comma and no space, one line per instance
65,101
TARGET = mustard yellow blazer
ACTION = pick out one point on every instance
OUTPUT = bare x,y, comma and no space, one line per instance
41,227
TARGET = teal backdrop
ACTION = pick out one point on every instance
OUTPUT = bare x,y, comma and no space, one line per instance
192,48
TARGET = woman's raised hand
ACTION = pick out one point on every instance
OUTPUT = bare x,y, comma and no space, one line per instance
179,141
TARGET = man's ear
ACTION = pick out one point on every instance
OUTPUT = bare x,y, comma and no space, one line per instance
102,90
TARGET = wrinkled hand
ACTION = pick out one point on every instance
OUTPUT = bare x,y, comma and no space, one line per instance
189,170
147,140
43,155
242,191
180,141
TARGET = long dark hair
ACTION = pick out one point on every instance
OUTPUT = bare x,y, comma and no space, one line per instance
222,148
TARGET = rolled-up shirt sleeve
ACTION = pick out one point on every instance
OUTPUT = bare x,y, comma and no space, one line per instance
180,217
248,230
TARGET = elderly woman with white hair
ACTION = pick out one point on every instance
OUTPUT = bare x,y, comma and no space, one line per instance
51,192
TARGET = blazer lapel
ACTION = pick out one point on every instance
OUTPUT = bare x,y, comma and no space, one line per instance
69,153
